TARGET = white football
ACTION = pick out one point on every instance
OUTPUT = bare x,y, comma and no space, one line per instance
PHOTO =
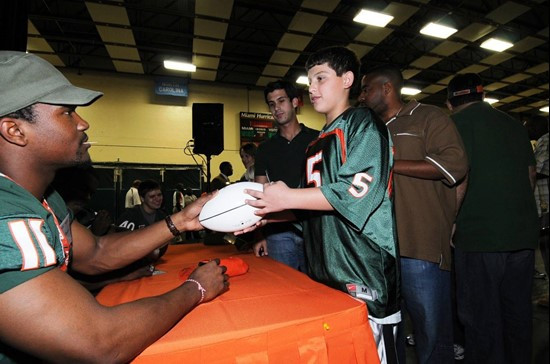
227,212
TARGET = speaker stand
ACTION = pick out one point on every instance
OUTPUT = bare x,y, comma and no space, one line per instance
208,175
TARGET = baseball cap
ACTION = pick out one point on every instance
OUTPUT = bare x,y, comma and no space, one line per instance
464,84
26,79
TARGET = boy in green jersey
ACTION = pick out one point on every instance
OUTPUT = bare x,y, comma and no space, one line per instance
345,207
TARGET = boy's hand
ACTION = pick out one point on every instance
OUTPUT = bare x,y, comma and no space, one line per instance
272,199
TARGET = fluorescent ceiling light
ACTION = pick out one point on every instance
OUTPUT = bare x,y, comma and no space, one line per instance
302,80
180,66
544,109
496,44
437,30
490,100
409,91
372,18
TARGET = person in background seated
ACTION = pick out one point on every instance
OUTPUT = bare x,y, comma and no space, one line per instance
222,180
46,315
148,212
248,156
132,196
76,185
145,214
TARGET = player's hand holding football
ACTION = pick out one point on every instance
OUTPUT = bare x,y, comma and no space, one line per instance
212,278
188,218
250,229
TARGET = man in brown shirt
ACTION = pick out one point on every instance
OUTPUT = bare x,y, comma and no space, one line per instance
429,160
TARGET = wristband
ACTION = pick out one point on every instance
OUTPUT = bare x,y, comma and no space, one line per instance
199,287
173,229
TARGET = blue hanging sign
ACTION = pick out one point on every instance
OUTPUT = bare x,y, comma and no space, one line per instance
171,86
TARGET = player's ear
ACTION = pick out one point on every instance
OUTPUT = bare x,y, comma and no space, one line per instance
348,79
12,130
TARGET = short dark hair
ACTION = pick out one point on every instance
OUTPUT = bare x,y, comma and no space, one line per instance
147,186
27,113
390,71
465,88
290,89
340,59
250,149
224,166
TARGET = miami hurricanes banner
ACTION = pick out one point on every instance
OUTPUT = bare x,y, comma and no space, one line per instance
256,127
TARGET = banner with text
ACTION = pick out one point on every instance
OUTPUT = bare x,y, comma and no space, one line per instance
256,127
171,86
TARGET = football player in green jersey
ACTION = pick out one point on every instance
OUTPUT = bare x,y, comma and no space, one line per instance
45,315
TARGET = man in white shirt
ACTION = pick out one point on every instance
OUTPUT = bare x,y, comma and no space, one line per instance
132,196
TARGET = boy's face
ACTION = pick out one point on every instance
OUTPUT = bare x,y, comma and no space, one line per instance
153,199
327,91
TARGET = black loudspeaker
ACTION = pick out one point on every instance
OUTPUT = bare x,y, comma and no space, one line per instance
208,128
14,20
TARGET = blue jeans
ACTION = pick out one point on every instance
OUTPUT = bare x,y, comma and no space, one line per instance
426,292
287,247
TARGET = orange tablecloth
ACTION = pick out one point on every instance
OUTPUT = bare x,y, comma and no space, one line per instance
272,314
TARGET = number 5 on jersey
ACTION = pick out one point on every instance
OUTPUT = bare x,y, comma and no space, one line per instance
359,185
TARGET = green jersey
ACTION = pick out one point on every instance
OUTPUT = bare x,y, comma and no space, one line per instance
499,212
34,238
354,247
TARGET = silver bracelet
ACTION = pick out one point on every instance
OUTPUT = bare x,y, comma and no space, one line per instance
199,287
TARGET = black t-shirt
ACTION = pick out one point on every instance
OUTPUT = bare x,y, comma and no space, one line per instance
133,218
283,160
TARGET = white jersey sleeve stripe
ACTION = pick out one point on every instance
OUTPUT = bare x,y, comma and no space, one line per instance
47,250
449,176
22,237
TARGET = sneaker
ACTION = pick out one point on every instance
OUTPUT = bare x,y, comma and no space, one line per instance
539,275
410,340
459,352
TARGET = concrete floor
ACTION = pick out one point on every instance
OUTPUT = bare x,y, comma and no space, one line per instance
541,326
